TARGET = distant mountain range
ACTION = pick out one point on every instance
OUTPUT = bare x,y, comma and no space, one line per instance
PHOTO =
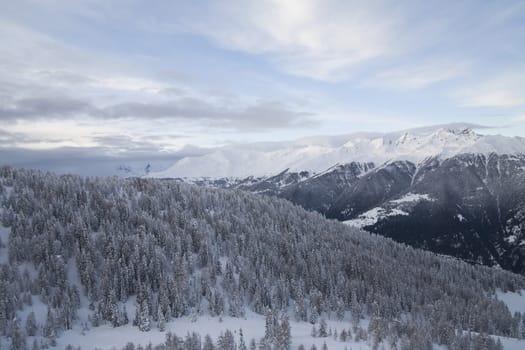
447,189
317,154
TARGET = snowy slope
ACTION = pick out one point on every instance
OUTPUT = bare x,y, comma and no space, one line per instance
107,337
391,208
253,325
316,154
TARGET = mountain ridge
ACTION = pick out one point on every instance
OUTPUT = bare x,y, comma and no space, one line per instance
317,154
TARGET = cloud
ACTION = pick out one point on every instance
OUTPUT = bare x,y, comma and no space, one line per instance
35,108
506,90
9,139
135,143
417,76
64,82
261,115
85,160
318,39
258,116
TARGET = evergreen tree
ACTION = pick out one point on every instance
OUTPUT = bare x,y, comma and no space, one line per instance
253,344
284,339
142,316
18,338
49,329
208,343
242,344
226,341
322,329
161,321
31,326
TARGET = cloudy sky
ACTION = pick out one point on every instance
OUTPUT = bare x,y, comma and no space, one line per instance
142,78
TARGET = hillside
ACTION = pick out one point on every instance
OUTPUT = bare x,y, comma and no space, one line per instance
84,253
88,252
451,191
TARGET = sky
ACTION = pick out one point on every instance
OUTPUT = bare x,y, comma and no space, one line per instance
161,80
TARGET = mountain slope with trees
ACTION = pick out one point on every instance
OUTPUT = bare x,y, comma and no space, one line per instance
178,249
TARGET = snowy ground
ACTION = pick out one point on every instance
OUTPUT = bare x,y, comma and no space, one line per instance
392,208
514,301
373,216
253,325
106,337
413,197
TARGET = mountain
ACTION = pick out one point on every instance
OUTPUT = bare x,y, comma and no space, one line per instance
317,154
448,190
103,260
469,206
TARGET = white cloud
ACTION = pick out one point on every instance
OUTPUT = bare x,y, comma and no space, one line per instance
313,38
59,82
418,75
507,90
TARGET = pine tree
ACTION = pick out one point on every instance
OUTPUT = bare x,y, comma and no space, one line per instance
343,336
208,343
253,344
161,321
322,328
284,338
18,339
31,326
270,331
49,330
242,344
226,341
142,316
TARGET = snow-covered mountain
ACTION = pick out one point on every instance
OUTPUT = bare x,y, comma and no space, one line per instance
446,188
316,154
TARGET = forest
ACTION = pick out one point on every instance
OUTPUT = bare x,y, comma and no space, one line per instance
181,250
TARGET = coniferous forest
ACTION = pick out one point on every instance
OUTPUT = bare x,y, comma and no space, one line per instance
184,250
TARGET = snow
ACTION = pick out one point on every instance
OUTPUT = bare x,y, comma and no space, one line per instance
316,154
391,208
510,239
253,325
107,337
514,301
461,218
511,343
412,197
38,307
373,216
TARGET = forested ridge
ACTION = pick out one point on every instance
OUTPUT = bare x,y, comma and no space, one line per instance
182,250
